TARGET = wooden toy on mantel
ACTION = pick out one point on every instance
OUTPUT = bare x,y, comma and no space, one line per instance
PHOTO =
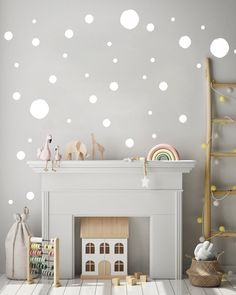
76,148
97,146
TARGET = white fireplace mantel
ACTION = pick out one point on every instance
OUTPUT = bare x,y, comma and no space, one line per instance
114,188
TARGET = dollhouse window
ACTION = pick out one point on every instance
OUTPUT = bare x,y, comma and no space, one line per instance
90,266
90,248
119,248
104,248
119,266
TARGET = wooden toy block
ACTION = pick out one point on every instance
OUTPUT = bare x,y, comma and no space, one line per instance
132,281
137,275
128,277
143,278
116,281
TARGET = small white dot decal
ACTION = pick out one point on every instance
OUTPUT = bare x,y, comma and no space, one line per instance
199,66
129,19
86,75
16,95
219,47
69,120
93,98
10,202
183,119
115,60
109,43
150,27
30,196
89,18
114,86
149,113
30,140
69,34
52,79
35,42
34,21
154,135
64,55
203,27
16,65
185,42
20,155
144,77
39,109
106,123
172,19
234,51
163,86
129,142
152,59
8,36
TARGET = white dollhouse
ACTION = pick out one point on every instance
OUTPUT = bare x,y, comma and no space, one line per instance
104,246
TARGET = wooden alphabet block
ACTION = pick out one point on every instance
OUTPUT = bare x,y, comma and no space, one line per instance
143,278
137,275
132,281
115,281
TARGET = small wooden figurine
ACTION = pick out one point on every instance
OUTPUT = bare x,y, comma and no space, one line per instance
44,153
57,156
137,275
116,281
97,146
132,281
76,148
143,278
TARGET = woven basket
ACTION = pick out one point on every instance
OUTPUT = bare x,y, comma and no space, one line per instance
205,273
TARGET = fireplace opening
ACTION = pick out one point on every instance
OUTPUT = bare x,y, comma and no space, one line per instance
115,251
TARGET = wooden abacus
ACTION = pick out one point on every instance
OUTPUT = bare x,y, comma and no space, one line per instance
43,259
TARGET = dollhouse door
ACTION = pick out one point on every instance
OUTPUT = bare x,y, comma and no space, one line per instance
104,268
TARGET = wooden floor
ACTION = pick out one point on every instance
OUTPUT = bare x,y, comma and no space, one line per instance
99,287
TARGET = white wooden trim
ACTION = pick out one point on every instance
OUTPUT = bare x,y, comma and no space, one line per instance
178,235
45,215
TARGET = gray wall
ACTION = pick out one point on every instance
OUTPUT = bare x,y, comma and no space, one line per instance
128,107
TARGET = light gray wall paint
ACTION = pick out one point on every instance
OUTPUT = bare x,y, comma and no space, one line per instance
128,107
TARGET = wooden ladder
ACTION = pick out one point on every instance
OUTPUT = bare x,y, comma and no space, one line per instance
212,84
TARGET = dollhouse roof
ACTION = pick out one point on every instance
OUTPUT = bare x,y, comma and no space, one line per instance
104,227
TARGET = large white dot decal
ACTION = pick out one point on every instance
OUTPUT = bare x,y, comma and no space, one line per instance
20,155
69,34
35,42
163,86
93,98
39,109
52,79
106,123
219,47
30,196
114,86
129,19
184,42
16,95
10,202
150,27
183,119
129,142
8,36
89,18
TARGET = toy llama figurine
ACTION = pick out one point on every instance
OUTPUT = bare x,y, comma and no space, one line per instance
44,153
57,156
78,148
98,146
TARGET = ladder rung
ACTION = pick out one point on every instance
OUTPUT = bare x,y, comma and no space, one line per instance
229,234
229,192
224,120
223,154
223,85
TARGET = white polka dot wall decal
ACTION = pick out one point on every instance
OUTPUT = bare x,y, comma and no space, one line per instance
163,86
35,42
172,19
203,27
109,43
16,65
34,21
219,47
16,95
154,135
10,202
64,55
86,75
183,119
114,86
144,77
89,19
30,196
93,98
150,27
152,59
69,34
129,19
30,140
115,60
68,120
106,123
184,42
129,142
234,51
8,36
39,109
52,79
149,113
20,155
198,66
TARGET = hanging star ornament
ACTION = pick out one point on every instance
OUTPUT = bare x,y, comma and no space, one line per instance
145,181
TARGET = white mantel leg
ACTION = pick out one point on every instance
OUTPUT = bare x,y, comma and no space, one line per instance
45,215
178,236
